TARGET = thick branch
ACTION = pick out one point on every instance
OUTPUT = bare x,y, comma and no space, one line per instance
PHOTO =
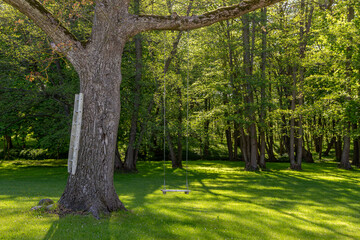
175,22
64,40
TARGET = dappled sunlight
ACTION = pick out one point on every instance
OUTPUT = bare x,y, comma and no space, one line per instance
225,202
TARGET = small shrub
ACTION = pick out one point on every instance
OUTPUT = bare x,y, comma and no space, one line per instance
13,153
34,154
283,158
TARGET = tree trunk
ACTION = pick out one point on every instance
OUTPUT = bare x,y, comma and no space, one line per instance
329,146
356,143
143,129
262,127
232,148
319,140
244,146
252,146
176,163
118,164
130,160
236,141
307,156
91,188
206,131
229,143
345,161
270,147
8,141
179,128
293,164
338,148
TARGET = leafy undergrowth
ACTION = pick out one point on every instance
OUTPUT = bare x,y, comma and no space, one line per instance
320,202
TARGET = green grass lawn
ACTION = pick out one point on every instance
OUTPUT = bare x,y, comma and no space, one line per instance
320,202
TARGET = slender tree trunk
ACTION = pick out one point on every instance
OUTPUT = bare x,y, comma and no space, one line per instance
338,148
329,146
180,129
130,160
8,141
229,143
345,161
270,133
118,164
262,127
143,129
232,143
174,160
345,155
253,152
319,140
320,146
307,156
244,146
293,164
356,143
206,131
270,147
236,141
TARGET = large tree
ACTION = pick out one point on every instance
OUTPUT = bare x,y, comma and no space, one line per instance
98,63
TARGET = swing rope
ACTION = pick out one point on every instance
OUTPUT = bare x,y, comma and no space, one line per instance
164,190
164,100
187,111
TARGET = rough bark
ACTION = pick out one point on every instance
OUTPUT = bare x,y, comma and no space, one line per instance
91,188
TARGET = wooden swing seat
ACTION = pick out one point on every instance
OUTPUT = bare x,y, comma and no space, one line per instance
175,190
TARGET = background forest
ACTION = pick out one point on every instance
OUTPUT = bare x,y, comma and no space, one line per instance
279,84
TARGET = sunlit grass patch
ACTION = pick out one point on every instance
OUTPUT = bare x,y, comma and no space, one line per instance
321,202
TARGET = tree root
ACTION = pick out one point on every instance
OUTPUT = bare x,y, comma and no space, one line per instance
346,166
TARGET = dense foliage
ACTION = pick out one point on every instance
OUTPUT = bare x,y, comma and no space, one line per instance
281,83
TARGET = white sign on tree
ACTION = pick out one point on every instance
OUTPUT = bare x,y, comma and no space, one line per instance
75,133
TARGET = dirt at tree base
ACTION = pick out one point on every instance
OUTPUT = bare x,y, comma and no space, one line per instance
62,211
